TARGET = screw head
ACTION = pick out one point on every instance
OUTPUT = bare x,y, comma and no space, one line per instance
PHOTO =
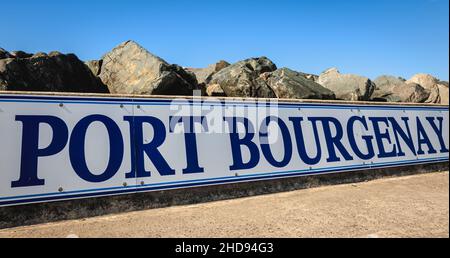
121,105
138,106
60,189
125,184
142,183
61,104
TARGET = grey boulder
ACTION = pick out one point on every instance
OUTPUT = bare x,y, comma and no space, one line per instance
242,79
55,72
395,89
438,89
290,84
443,92
425,80
347,86
131,69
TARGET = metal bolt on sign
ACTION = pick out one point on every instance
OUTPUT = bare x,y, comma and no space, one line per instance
121,105
60,189
61,104
125,184
142,183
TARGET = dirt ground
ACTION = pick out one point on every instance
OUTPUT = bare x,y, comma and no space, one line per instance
412,206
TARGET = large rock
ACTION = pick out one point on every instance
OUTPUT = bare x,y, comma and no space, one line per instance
242,79
438,89
55,72
290,84
443,92
130,69
395,89
347,86
204,74
425,80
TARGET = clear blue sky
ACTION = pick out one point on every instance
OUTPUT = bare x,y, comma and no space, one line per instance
367,37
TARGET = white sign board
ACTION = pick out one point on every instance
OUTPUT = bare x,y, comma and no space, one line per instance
67,147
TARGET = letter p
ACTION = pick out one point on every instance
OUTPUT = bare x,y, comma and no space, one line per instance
30,146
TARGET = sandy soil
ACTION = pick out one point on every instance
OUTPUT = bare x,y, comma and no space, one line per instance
413,206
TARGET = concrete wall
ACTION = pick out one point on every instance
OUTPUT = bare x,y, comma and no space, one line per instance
76,209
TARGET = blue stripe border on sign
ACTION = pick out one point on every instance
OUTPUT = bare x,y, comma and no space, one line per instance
199,102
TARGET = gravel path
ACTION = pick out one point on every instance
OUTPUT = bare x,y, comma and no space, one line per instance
412,206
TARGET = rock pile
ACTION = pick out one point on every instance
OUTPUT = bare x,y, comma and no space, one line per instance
131,69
